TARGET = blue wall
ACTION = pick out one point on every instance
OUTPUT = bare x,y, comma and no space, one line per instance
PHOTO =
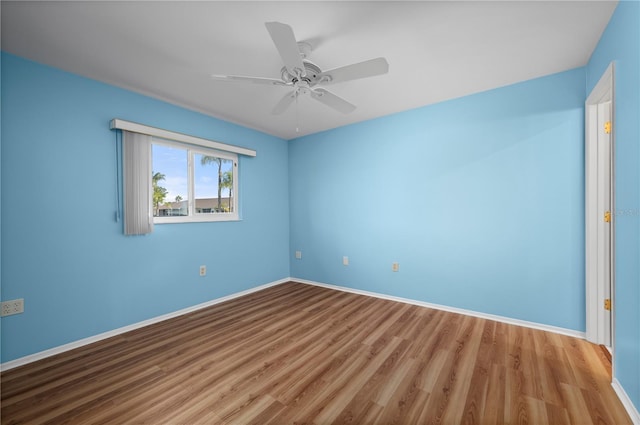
479,199
621,43
63,251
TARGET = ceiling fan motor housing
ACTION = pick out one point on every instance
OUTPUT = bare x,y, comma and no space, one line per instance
312,76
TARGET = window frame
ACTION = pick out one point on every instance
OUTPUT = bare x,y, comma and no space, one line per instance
192,216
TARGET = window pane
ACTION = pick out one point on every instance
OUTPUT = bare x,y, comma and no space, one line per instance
213,184
170,193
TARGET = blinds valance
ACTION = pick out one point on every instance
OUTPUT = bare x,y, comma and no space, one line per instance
133,127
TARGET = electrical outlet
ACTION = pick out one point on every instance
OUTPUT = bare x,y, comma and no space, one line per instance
12,307
298,255
395,267
345,261
203,270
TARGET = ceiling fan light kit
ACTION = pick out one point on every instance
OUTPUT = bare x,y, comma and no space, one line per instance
304,77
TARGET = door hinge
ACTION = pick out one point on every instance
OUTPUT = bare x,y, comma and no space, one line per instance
607,127
607,217
607,304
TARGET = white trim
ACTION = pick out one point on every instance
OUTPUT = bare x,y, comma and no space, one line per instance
626,402
594,292
85,341
602,88
60,349
197,218
615,384
611,72
508,320
119,124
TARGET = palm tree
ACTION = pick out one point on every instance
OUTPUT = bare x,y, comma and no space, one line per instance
159,192
227,183
213,160
178,201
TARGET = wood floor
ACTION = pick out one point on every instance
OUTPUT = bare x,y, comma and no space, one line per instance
301,354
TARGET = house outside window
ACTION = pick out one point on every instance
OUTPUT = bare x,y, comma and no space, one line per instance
192,184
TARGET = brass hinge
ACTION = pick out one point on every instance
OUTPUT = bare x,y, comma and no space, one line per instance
607,217
607,127
607,304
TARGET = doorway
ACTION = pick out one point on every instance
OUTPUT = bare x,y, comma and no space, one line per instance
599,211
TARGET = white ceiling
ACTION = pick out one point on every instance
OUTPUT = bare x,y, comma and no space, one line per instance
436,50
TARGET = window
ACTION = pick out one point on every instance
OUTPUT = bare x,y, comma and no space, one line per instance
156,196
192,183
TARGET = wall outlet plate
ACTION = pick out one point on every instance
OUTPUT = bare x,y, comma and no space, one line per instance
203,270
395,267
12,307
298,254
345,261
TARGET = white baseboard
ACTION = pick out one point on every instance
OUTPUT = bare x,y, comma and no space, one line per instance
509,320
622,395
95,338
619,390
626,402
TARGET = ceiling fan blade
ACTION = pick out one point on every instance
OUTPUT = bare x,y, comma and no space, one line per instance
285,41
332,101
355,71
253,80
284,103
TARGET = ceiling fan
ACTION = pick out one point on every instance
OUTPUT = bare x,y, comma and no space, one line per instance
305,77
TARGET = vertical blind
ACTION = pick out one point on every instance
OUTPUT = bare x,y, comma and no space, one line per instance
136,169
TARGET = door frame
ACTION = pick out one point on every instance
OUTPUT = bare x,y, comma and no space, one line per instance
603,92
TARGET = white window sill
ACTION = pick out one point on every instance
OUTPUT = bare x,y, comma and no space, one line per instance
200,218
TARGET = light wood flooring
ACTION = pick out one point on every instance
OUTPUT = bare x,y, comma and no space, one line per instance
301,354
